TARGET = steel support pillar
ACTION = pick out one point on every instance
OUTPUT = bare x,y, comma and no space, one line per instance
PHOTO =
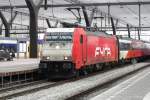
113,26
105,22
108,15
34,6
101,21
48,23
9,22
6,24
116,24
129,35
92,15
12,19
56,24
138,34
139,29
86,16
1,28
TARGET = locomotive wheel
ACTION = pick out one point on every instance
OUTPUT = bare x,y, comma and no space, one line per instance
84,71
77,74
89,69
98,67
122,61
134,61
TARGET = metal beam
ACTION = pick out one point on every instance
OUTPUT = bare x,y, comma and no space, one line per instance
82,4
133,28
25,32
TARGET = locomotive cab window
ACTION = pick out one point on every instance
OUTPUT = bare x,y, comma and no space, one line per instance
58,40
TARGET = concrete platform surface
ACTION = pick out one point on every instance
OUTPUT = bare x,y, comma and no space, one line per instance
135,88
18,65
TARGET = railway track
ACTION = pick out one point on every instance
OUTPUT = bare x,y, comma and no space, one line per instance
27,88
18,90
87,95
21,85
32,87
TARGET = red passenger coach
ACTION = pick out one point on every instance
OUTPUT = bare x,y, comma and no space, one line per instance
133,50
147,49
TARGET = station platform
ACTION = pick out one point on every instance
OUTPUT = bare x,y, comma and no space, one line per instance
135,88
18,66
17,71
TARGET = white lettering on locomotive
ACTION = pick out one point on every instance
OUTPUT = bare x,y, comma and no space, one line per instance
104,51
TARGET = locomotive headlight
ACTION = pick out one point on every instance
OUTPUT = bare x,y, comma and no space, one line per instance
48,58
67,57
57,47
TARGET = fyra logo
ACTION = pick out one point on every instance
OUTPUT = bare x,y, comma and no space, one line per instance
104,51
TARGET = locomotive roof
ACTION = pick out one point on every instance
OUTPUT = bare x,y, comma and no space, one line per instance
98,33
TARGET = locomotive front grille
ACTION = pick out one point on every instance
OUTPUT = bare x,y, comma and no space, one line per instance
56,58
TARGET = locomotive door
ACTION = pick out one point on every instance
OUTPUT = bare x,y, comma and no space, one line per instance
83,42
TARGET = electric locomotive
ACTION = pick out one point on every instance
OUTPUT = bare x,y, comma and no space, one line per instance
69,51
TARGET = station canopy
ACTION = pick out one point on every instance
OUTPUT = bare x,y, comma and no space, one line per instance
123,12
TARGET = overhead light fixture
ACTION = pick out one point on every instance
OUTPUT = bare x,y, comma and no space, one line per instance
124,17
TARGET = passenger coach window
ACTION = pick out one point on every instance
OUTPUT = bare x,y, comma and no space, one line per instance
125,46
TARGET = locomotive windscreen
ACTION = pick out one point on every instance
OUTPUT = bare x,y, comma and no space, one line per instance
57,46
58,36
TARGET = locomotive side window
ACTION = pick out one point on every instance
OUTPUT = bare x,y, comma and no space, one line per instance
81,39
125,46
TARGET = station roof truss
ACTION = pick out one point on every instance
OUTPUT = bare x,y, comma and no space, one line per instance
123,12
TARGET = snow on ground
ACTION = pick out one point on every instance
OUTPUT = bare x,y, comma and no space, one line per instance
72,88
